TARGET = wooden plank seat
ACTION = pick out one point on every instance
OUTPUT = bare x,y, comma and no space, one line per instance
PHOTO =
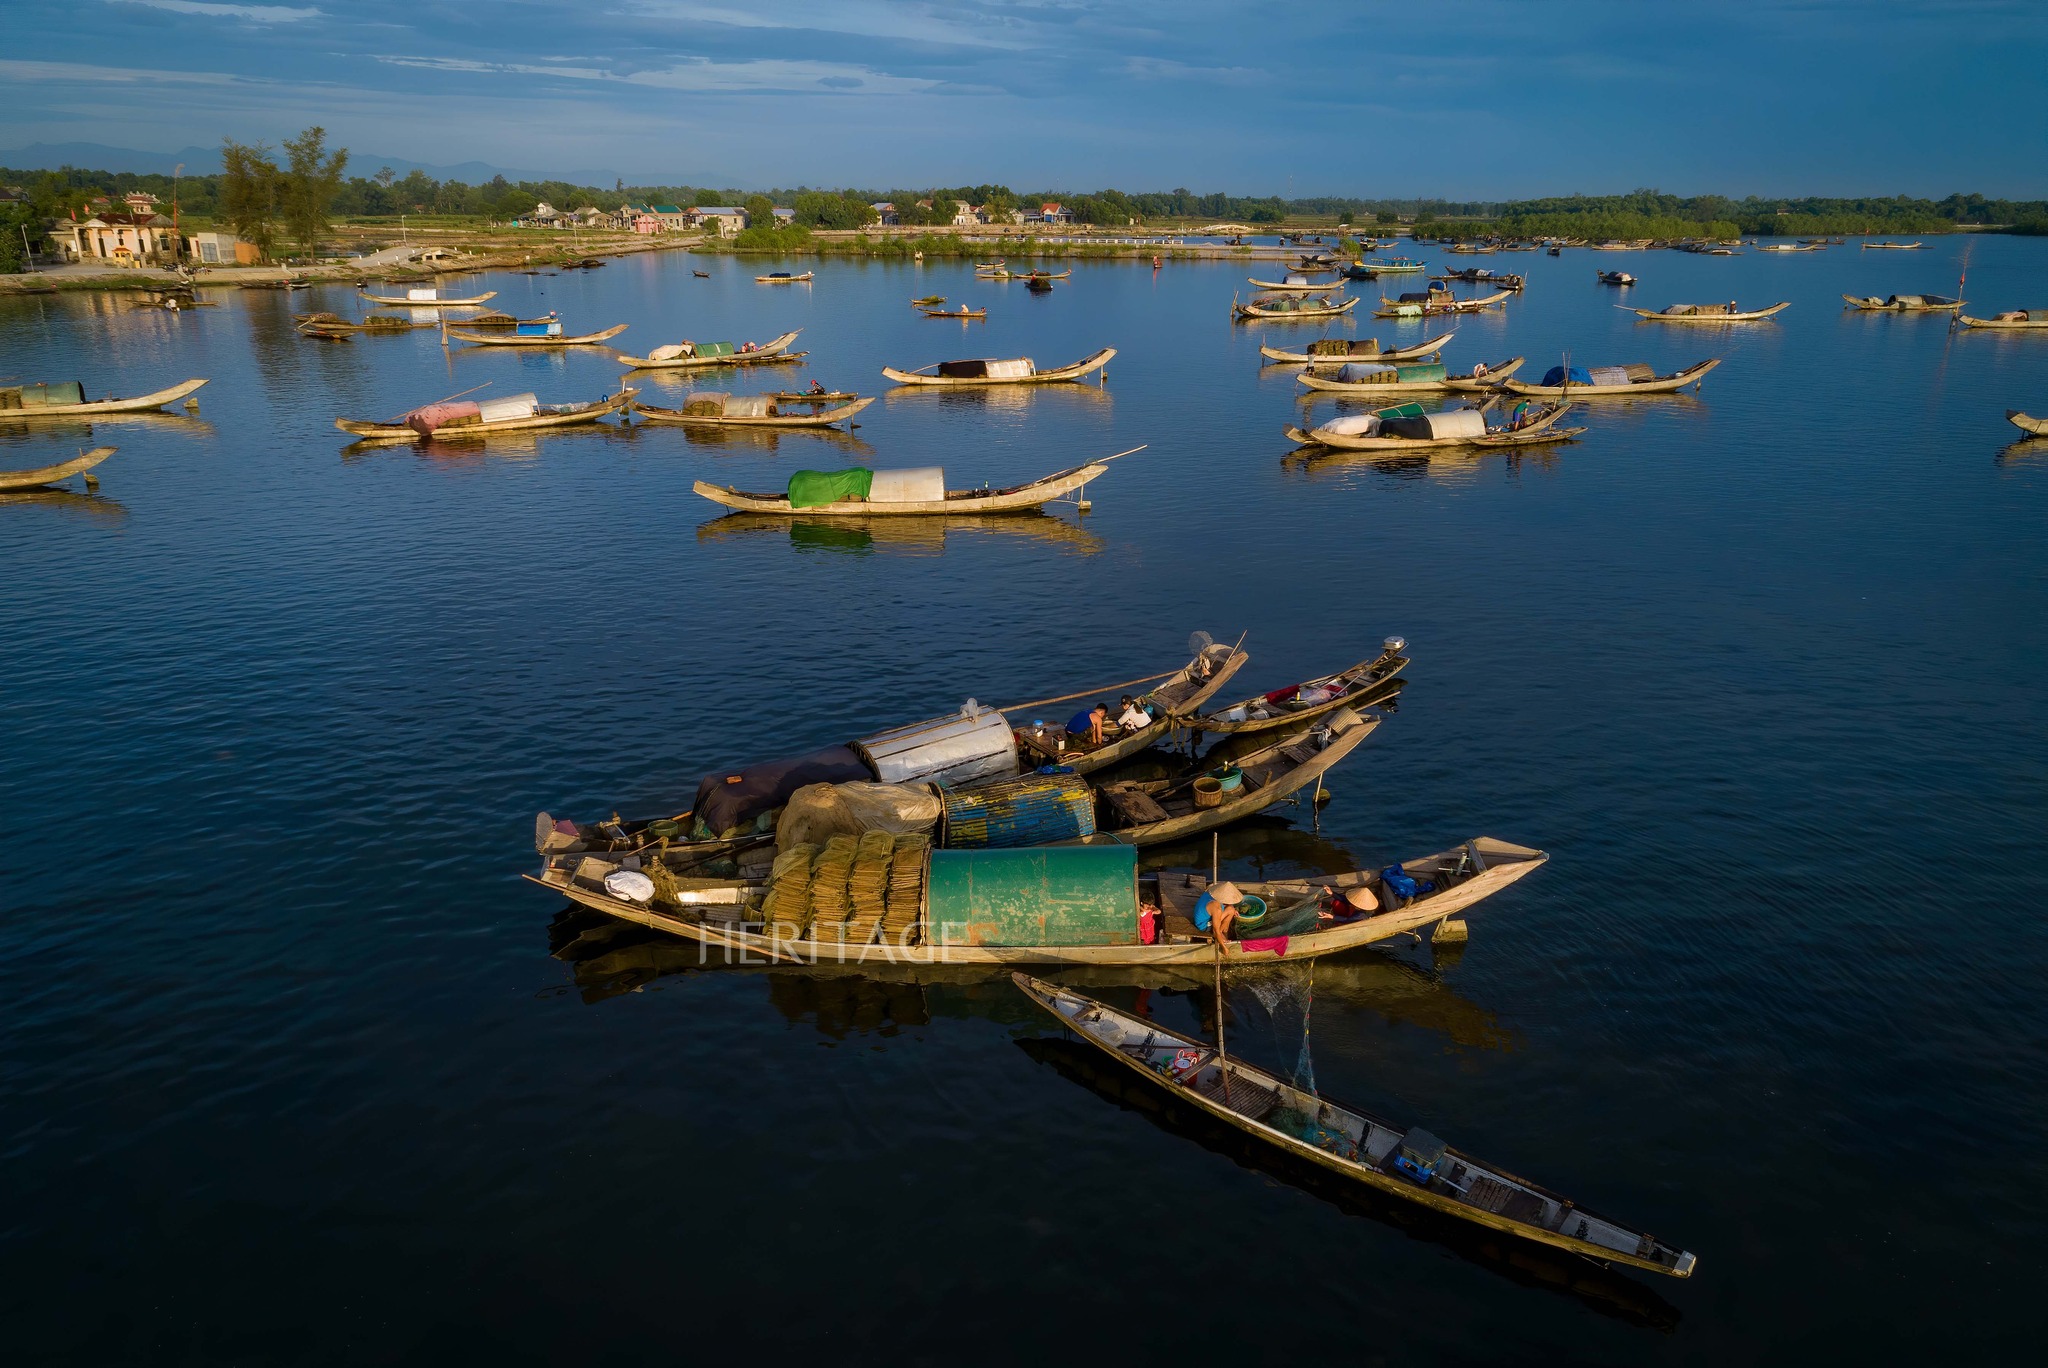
1133,804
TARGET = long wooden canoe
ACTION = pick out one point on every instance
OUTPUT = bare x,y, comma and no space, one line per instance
1016,499
2037,426
813,419
1662,384
64,470
1293,287
1185,691
1417,352
784,278
1891,246
389,303
1004,273
1791,246
1329,306
1537,431
550,416
1391,308
1364,685
1904,303
515,340
1087,365
335,323
141,403
1745,316
776,349
2029,318
1468,383
1354,1144
962,312
1463,875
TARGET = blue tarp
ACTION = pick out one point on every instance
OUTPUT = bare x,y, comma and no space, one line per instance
1556,376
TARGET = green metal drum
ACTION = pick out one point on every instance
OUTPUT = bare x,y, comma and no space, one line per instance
1048,895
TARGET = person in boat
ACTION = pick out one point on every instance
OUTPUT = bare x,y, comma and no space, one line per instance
1133,718
1217,908
1084,728
1348,906
818,387
1520,416
746,346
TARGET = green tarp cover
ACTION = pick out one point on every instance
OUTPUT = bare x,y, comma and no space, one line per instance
816,488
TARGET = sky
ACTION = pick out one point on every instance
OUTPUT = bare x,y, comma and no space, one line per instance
1464,99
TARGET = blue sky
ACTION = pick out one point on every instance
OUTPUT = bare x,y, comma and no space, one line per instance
1460,98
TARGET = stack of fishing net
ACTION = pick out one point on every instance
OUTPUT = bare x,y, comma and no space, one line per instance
787,908
830,905
906,889
867,885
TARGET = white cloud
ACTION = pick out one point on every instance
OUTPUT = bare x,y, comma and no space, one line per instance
943,25
69,72
700,74
255,14
1166,69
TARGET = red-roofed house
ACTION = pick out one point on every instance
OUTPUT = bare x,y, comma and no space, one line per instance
1053,213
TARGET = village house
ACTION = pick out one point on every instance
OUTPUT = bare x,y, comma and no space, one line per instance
885,213
968,216
784,217
122,239
638,218
724,219
220,249
1055,213
674,219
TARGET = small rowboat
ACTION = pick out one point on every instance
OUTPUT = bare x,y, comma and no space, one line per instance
1396,383
489,320
1656,384
1791,246
1363,685
428,303
1293,308
142,403
2018,319
529,340
1290,286
334,323
1077,371
1394,265
548,416
1418,352
1534,431
1184,691
1616,278
784,278
1404,1162
1003,273
687,358
811,396
962,312
49,475
1392,308
812,418
1904,303
1022,498
1708,313
2037,426
1891,246
1477,275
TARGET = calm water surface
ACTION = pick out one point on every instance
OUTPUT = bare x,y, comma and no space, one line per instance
298,1071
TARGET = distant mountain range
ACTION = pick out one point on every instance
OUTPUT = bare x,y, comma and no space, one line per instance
205,161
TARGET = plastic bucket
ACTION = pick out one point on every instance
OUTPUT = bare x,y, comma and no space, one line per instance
1230,777
1208,792
1251,911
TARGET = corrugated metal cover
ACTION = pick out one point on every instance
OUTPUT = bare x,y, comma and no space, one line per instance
957,749
1061,895
1034,809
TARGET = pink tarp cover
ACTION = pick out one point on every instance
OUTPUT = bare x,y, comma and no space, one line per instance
425,420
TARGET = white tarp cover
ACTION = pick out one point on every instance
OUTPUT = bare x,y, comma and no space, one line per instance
1358,425
629,884
426,294
818,812
667,352
747,406
1609,375
1011,370
1457,423
511,406
922,484
956,749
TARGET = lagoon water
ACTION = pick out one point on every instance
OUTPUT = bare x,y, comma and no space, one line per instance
297,1070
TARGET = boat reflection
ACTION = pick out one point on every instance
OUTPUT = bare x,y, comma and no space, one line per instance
1001,398
80,430
1444,465
1599,1289
509,446
65,501
749,441
925,536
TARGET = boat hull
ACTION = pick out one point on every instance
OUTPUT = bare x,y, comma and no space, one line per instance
141,403
824,418
1023,499
1079,370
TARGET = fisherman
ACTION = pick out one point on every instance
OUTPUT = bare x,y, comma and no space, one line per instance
1085,727
818,387
1133,717
1217,908
1348,906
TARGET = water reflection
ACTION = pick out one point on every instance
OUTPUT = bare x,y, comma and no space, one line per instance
1599,1289
80,430
747,441
901,536
511,446
1002,398
67,502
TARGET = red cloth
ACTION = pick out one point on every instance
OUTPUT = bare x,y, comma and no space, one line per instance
1285,695
1276,944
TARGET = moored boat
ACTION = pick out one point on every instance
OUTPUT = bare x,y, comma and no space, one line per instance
427,298
1393,265
1708,313
1600,381
1297,284
68,401
1340,349
1293,308
2013,319
1429,303
335,323
1406,427
1891,246
1369,378
693,355
81,464
962,312
864,493
474,421
2027,423
710,409
1367,684
1182,692
784,278
1405,1162
537,335
1616,278
1014,371
1904,303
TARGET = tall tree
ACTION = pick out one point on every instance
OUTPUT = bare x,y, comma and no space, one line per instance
249,192
309,192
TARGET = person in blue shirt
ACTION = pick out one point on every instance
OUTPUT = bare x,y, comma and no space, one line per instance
1218,904
1084,728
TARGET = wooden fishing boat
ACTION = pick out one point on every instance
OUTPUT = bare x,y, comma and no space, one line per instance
335,323
1394,266
687,356
1364,685
1506,280
1293,308
2037,426
1891,246
1708,313
1904,303
1004,273
1616,278
2016,319
1289,286
962,312
1404,1162
11,407
1345,434
811,396
1419,351
784,278
1395,382
490,320
63,470
389,302
1391,308
962,373
728,913
1791,246
545,416
774,418
1185,691
1016,499
516,339
1655,384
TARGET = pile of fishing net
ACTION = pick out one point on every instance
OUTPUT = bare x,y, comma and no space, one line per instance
849,889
